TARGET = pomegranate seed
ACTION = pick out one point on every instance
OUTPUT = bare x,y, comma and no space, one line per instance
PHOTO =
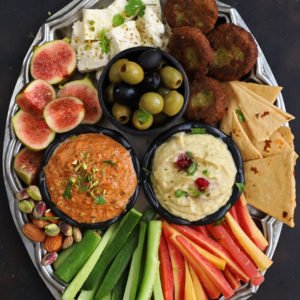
202,184
183,162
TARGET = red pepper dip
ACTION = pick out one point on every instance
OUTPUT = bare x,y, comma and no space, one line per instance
90,177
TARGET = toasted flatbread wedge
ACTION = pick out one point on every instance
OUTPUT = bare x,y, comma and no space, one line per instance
270,93
270,185
287,135
262,117
241,139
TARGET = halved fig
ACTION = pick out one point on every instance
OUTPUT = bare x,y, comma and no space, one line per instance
53,61
34,96
27,164
87,93
64,114
31,131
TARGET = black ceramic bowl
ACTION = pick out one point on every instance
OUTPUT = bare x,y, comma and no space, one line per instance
50,150
147,167
132,54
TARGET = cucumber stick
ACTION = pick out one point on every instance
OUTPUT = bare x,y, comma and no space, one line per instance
157,291
148,215
62,257
118,266
97,275
83,274
80,254
152,261
135,266
86,295
118,291
107,297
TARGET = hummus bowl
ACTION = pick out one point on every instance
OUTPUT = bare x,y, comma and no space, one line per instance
192,174
82,177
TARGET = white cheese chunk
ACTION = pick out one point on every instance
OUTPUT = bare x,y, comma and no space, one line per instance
94,21
124,36
155,5
117,7
90,57
77,34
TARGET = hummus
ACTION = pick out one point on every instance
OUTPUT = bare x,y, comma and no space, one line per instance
90,177
178,190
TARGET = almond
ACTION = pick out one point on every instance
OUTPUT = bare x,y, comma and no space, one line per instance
40,223
53,243
34,233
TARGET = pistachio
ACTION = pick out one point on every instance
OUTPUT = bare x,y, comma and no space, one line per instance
68,242
39,210
34,192
49,258
26,206
77,235
65,228
22,195
52,230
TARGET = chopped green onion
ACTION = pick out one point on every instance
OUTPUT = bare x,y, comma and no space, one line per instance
205,172
198,130
100,200
192,168
68,190
180,193
109,162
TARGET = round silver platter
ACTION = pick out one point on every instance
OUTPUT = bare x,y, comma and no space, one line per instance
58,26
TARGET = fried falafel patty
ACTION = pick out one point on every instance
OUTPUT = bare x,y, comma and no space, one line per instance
192,49
196,13
207,101
235,52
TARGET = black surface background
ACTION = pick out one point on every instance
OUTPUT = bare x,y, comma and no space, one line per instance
276,26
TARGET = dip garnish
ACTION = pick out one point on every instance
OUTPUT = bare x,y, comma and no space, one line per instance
109,162
202,184
198,130
192,168
184,161
68,190
194,192
240,115
100,200
205,172
240,186
180,193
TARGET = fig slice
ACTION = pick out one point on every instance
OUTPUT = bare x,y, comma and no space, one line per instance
34,96
53,61
27,164
31,131
64,114
88,94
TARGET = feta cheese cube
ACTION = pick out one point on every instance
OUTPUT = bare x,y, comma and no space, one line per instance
90,57
117,7
94,21
156,7
124,36
77,34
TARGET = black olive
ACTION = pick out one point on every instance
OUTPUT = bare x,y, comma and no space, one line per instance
150,83
150,60
126,94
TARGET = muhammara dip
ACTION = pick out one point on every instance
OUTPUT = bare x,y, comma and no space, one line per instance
193,175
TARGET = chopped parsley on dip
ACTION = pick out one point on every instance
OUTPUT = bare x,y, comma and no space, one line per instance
193,175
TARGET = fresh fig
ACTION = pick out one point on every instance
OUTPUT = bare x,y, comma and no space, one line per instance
31,131
27,164
64,114
35,96
53,61
87,93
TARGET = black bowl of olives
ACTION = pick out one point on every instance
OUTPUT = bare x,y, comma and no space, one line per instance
142,90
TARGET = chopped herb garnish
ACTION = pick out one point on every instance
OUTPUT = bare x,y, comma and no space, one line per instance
117,20
205,172
240,115
135,8
219,222
68,190
192,168
143,116
100,200
83,188
195,192
180,193
198,130
189,154
240,186
104,41
109,162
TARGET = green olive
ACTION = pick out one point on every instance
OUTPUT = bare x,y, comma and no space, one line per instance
152,102
171,77
114,71
163,91
160,119
109,94
142,120
132,73
121,113
173,103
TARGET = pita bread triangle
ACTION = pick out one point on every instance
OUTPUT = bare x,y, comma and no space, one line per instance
241,139
270,186
262,117
287,135
270,93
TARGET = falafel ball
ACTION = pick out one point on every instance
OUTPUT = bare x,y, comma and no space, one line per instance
192,49
235,52
207,102
196,13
